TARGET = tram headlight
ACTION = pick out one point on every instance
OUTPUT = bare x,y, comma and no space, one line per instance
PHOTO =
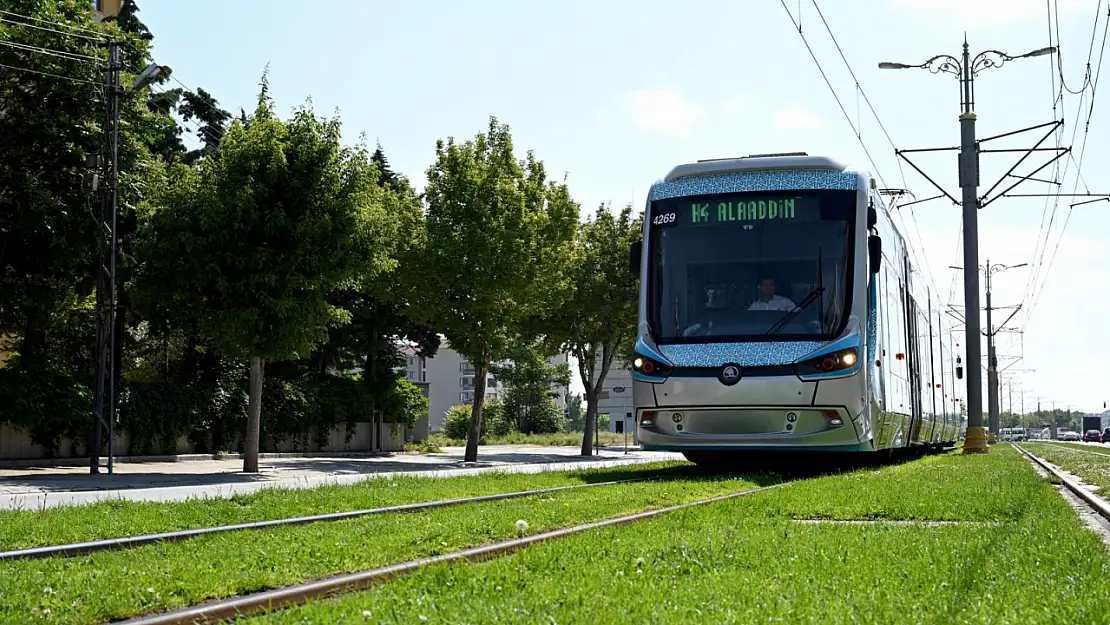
842,360
649,367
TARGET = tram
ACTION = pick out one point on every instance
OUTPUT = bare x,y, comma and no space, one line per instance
779,310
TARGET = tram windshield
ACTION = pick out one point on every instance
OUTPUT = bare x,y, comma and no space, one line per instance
751,266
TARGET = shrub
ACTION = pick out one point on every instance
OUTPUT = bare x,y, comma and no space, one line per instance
48,404
456,423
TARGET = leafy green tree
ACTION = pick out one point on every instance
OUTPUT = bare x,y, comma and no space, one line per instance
251,244
576,417
497,231
49,123
529,379
212,120
406,403
379,323
597,322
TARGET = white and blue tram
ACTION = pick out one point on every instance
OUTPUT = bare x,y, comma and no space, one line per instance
779,310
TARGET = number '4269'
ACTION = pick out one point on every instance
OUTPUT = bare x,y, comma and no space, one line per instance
667,218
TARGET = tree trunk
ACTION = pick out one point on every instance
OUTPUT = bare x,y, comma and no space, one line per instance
254,416
476,409
591,422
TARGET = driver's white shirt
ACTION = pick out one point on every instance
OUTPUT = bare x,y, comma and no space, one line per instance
777,303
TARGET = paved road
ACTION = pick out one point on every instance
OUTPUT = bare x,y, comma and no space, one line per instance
176,481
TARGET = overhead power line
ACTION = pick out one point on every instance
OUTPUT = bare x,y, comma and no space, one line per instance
78,29
52,30
61,54
1036,291
50,75
856,129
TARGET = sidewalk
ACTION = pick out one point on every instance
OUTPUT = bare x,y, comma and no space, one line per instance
35,488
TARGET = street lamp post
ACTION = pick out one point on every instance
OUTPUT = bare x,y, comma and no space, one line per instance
992,356
965,70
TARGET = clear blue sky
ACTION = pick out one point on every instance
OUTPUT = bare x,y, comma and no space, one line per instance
615,93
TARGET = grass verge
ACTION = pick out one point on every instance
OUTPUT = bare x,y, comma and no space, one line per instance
113,585
726,563
1093,468
116,518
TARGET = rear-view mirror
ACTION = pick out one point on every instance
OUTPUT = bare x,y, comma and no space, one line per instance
634,255
874,252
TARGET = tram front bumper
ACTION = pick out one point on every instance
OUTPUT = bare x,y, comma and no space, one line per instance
676,428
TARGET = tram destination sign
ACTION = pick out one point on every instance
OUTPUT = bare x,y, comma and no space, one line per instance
727,209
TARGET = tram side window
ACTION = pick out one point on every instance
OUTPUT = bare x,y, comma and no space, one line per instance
898,370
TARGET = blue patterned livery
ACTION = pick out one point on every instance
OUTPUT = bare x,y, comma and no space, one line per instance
779,309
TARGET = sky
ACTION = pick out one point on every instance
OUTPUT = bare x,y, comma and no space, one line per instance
613,94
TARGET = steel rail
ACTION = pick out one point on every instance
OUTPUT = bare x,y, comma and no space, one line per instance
1097,503
281,598
129,542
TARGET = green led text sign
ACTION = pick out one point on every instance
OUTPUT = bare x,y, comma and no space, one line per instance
750,210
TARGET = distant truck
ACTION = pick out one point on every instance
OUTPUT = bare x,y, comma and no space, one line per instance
1092,423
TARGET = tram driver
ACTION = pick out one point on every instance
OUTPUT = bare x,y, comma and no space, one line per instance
768,300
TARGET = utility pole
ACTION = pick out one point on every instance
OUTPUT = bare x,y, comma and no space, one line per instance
965,69
992,355
104,398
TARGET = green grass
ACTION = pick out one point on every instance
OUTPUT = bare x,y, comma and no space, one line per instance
1094,468
1102,449
112,585
726,563
559,439
117,518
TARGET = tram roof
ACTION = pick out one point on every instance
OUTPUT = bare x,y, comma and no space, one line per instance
755,162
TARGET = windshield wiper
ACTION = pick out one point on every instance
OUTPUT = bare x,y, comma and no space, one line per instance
790,315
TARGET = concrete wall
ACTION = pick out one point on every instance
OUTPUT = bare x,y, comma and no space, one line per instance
15,444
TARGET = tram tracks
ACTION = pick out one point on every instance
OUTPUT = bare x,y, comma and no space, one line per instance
288,596
1096,503
130,542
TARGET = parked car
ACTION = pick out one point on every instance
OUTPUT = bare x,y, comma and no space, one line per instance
1072,436
1092,436
1106,435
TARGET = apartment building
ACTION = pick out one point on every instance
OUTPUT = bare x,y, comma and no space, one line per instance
450,379
105,8
615,399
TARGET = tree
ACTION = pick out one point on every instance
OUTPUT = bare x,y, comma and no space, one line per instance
49,123
576,417
212,121
528,378
251,242
597,322
495,235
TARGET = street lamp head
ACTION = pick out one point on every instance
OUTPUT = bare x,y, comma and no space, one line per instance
889,65
147,76
1040,52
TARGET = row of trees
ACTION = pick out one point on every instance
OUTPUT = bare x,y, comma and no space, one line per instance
275,249
1072,420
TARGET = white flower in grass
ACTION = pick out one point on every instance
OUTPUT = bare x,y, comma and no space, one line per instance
366,613
639,562
521,526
